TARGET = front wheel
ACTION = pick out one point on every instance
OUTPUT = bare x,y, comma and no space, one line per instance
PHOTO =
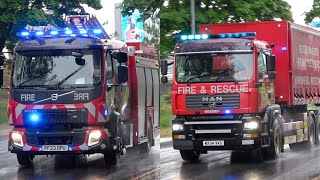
274,150
24,159
146,147
189,155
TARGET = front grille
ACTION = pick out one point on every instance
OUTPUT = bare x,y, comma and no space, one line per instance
38,139
205,101
53,120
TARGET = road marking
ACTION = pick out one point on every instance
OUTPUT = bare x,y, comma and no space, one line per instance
147,175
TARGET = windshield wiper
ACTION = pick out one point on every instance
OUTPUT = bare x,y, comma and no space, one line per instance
28,80
199,76
66,78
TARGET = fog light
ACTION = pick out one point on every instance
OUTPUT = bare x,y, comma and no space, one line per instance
177,127
17,138
247,135
94,137
251,125
176,136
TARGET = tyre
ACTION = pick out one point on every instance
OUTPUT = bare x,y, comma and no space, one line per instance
317,130
24,159
111,158
189,155
276,143
146,147
310,143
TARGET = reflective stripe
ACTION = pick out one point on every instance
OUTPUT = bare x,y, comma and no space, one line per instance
10,119
70,106
101,118
54,107
91,108
19,109
38,106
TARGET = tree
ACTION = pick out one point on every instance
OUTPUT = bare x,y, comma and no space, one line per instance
16,14
314,12
146,7
175,15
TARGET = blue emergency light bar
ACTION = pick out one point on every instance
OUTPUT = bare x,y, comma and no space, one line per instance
214,36
55,33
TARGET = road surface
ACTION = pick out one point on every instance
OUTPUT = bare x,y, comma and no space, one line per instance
133,165
217,165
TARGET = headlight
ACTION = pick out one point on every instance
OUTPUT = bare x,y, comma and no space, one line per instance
177,127
17,138
250,125
94,137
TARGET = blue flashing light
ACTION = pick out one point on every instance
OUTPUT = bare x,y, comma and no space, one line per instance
24,33
198,36
54,33
39,33
34,117
68,32
184,37
284,48
83,31
227,111
97,31
190,37
106,112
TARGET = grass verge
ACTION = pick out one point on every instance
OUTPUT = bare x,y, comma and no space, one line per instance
165,114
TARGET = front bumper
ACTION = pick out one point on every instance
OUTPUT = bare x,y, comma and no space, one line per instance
81,147
229,131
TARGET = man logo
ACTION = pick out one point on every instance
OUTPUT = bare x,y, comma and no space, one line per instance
212,104
54,97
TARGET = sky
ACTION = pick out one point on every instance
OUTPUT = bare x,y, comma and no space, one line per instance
298,7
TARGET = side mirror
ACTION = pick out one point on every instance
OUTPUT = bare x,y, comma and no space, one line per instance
164,79
272,75
271,63
80,61
1,77
1,60
122,76
122,57
164,67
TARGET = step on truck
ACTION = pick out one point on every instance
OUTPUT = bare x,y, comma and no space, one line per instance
246,87
76,91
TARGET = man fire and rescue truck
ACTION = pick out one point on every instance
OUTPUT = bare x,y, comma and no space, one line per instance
248,101
76,91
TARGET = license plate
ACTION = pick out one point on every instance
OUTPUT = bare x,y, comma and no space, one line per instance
213,143
55,148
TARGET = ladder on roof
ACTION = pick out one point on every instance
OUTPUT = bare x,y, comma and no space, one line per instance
78,22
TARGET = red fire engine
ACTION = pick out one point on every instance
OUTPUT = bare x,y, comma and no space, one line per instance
229,92
76,91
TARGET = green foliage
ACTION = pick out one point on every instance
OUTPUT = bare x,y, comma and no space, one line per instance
3,113
175,17
147,7
16,14
314,12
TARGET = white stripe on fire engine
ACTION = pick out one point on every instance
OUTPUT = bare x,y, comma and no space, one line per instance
70,106
101,118
19,109
10,119
84,147
38,106
26,147
54,107
91,108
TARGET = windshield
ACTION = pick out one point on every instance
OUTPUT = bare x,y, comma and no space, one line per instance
57,68
217,67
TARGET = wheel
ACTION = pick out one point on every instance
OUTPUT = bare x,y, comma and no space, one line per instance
310,143
24,159
146,147
111,158
273,151
317,130
189,155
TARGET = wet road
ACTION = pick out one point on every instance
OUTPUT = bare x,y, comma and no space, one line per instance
133,165
217,165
